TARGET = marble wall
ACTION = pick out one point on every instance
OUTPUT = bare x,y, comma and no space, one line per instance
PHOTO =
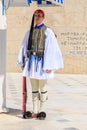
68,21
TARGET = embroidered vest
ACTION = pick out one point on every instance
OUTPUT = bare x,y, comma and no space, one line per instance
38,41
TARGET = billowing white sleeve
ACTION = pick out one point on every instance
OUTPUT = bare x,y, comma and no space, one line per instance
22,52
52,55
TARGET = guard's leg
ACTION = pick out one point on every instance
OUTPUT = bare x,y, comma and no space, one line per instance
43,97
43,94
2,101
3,71
35,95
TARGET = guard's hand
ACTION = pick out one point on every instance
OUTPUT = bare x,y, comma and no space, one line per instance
22,68
48,71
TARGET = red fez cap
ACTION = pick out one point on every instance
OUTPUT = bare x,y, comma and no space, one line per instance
39,11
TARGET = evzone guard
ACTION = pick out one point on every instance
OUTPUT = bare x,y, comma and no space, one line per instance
39,57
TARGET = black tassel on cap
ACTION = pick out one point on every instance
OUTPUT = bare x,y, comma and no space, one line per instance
32,26
30,35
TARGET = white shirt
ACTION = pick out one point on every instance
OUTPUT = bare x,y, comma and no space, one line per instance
52,58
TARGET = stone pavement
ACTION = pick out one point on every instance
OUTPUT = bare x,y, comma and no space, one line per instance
66,109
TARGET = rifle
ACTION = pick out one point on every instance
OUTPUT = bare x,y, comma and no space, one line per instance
26,114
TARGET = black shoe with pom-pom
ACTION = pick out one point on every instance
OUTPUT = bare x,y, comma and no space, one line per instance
41,116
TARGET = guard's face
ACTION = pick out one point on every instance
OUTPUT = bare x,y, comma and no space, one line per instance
38,18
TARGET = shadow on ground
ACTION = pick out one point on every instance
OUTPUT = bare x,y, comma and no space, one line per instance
15,112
